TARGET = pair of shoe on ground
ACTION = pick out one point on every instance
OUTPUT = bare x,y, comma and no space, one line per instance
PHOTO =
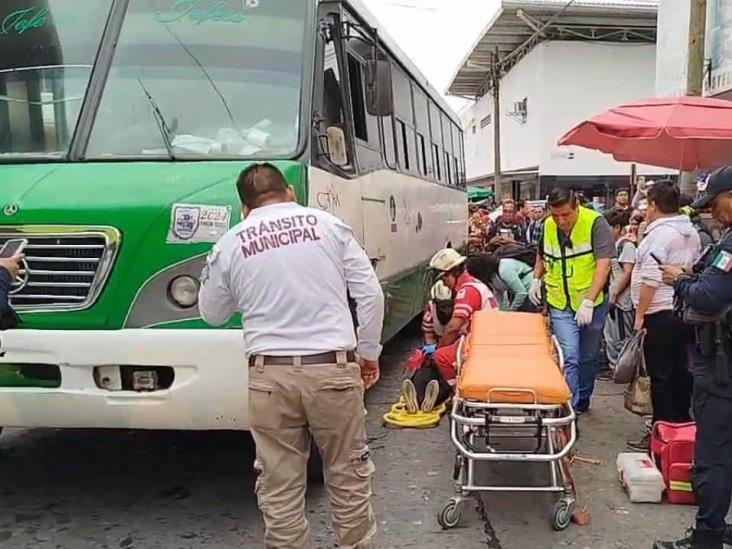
409,394
699,539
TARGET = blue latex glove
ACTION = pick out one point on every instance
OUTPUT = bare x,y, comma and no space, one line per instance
429,349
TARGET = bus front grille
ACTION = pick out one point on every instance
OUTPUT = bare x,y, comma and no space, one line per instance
65,269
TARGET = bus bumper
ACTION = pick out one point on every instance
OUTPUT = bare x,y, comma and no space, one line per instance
208,391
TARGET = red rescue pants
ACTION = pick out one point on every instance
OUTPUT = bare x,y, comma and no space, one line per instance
446,362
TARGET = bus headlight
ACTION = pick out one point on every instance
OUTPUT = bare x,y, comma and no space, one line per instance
183,291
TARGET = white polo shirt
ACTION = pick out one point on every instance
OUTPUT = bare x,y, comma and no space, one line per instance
287,269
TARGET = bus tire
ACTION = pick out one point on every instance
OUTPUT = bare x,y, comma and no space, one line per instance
315,464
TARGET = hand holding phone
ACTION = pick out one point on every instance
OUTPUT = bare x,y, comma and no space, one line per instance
11,256
13,247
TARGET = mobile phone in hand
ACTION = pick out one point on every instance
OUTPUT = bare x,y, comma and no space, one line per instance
13,247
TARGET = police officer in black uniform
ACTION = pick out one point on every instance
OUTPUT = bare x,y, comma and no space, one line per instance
704,298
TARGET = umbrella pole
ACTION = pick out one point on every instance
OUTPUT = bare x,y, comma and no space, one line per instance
687,180
633,177
495,76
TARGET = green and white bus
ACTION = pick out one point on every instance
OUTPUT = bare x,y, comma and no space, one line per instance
123,127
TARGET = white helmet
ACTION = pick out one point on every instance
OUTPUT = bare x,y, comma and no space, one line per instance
446,260
440,292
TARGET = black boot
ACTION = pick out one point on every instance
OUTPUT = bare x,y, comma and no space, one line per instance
697,539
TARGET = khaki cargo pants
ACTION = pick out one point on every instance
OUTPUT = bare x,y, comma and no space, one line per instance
286,405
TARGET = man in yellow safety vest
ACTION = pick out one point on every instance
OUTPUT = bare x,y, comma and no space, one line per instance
576,249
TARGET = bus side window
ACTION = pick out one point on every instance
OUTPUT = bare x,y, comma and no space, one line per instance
403,145
365,125
422,127
423,156
332,103
355,76
437,143
436,159
389,148
333,110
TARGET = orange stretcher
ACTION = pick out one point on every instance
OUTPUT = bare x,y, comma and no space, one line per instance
512,404
511,350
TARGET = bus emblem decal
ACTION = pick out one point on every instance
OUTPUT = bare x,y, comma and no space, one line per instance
196,223
10,209
185,221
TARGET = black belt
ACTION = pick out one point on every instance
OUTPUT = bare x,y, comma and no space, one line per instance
306,360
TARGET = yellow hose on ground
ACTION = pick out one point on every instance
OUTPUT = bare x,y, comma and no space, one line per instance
399,418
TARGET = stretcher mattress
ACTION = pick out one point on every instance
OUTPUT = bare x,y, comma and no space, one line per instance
509,360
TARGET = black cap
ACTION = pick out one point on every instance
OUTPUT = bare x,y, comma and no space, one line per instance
719,182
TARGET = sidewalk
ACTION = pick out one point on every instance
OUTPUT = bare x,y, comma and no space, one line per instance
414,480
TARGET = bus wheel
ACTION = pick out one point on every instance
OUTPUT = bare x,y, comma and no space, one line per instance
315,464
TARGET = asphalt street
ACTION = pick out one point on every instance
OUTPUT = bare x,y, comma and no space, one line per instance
80,489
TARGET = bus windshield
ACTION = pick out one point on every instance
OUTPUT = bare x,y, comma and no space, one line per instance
48,49
194,78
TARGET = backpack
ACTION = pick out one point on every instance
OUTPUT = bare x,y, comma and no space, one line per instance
522,252
704,234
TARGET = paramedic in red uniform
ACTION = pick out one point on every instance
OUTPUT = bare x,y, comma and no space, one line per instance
470,295
288,269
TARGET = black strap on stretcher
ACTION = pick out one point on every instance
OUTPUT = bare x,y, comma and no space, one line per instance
536,419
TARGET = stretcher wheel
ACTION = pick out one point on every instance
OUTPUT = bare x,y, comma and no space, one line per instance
450,515
561,515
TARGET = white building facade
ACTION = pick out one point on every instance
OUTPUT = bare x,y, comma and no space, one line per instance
553,86
673,30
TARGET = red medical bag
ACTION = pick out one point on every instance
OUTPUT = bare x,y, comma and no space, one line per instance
672,446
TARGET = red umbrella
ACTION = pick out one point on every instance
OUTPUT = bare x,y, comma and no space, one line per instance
686,133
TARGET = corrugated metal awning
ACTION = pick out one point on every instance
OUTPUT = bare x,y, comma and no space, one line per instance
519,25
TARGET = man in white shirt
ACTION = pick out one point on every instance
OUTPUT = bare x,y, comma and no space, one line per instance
670,239
288,270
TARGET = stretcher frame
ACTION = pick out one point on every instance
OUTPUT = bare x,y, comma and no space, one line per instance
553,426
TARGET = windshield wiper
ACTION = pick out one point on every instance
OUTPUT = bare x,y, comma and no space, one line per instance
206,74
159,120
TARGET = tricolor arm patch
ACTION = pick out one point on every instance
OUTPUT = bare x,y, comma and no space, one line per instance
723,261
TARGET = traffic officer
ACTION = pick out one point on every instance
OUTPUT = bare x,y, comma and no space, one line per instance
574,262
288,270
704,298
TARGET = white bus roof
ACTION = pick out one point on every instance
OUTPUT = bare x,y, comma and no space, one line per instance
360,8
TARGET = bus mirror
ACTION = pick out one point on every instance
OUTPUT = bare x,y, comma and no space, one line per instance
336,146
379,96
